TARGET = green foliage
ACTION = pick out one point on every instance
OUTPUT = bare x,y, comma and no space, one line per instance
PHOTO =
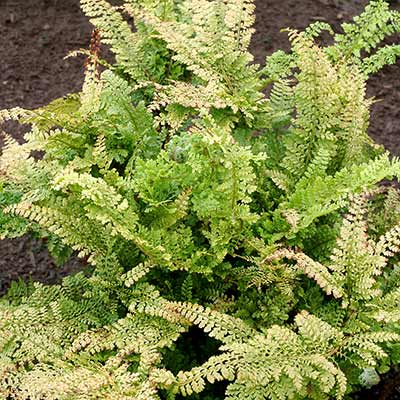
238,244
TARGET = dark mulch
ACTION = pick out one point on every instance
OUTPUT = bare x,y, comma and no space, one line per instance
35,35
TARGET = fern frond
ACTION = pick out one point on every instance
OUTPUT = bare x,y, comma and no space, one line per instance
366,31
386,55
115,32
220,326
313,269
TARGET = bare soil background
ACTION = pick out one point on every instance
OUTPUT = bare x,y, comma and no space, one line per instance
35,36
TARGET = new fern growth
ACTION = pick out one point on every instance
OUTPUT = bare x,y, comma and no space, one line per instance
238,243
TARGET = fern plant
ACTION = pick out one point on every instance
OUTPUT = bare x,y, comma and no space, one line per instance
208,213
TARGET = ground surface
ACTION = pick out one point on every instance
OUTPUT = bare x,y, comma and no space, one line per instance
35,35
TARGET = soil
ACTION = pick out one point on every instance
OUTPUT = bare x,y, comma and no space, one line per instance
35,36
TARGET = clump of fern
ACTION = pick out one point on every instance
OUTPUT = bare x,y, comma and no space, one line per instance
208,212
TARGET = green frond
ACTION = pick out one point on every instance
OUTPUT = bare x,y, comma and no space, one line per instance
116,33
366,31
324,194
217,325
386,55
313,269
15,114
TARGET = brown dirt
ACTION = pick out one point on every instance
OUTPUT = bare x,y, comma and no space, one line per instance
35,35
